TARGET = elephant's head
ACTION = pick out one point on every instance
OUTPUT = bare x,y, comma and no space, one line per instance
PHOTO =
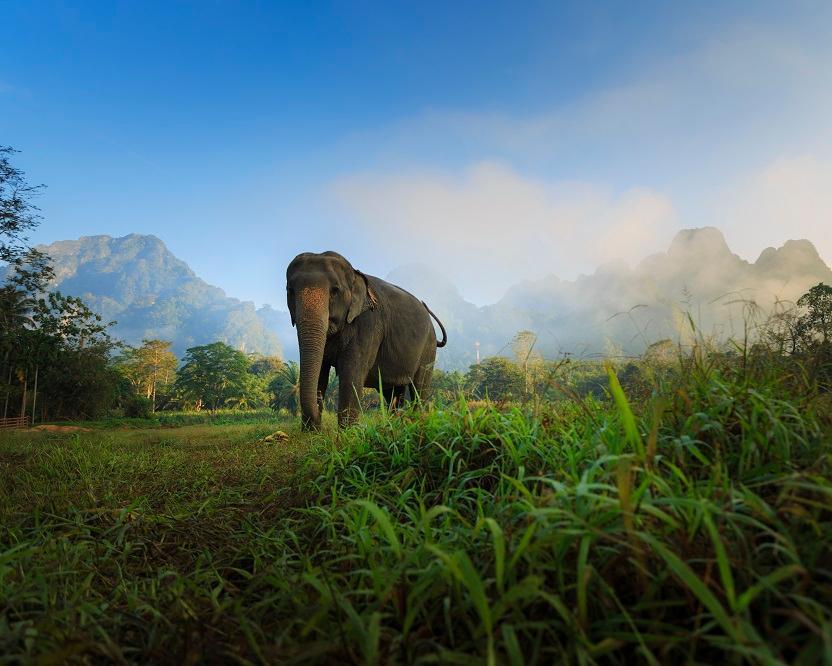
324,293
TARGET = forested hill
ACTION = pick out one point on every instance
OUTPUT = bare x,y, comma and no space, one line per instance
136,281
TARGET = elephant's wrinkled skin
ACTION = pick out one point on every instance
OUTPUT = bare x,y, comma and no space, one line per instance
372,332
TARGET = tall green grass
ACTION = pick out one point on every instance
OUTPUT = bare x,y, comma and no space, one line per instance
694,527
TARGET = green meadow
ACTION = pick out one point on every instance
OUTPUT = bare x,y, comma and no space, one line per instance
693,525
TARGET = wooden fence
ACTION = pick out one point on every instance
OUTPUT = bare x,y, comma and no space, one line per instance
14,422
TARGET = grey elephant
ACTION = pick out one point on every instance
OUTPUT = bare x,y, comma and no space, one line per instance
373,333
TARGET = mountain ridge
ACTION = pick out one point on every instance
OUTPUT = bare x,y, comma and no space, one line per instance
138,282
150,292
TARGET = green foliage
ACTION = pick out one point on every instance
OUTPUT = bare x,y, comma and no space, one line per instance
138,407
496,378
464,535
447,385
18,216
15,312
150,368
59,346
817,321
284,388
266,366
214,375
54,350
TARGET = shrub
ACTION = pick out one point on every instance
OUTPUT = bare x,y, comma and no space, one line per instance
138,406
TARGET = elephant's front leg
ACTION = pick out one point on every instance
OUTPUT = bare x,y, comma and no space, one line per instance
350,388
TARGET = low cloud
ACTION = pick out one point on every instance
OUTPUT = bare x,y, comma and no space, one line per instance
489,226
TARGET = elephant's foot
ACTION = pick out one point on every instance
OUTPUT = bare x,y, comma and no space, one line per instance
309,423
347,417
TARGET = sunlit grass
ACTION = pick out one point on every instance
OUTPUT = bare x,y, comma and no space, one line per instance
696,527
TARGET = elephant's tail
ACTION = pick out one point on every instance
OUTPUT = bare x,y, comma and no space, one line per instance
436,319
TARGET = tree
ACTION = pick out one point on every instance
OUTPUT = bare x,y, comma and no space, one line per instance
15,308
784,331
149,367
214,375
285,388
817,319
18,216
15,318
266,366
447,385
54,346
58,351
496,378
527,358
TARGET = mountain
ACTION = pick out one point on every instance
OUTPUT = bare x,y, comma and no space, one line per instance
136,281
619,309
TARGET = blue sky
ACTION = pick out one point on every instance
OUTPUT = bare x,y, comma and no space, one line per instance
494,141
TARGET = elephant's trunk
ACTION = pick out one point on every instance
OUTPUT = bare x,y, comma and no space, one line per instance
313,321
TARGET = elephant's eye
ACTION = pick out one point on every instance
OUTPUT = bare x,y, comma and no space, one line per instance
335,289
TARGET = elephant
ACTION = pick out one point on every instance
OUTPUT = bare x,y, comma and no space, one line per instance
374,334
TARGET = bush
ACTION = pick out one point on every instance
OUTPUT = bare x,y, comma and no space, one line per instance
138,407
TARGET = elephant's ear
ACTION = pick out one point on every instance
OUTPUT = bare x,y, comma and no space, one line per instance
363,298
290,303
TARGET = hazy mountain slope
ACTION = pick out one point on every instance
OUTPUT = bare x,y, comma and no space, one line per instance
622,309
136,281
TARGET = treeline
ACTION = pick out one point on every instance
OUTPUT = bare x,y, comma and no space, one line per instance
210,377
60,363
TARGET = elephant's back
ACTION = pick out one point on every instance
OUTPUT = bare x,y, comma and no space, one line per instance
401,303
408,333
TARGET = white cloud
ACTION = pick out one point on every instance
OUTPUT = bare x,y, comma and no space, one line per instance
489,226
704,128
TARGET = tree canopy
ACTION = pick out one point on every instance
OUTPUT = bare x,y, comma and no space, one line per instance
18,216
213,375
817,318
149,367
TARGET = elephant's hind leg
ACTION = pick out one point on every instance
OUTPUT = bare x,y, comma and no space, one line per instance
421,384
393,396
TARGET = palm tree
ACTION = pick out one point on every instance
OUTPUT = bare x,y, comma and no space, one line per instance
285,388
15,309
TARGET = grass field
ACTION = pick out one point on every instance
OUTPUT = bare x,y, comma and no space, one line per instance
693,528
